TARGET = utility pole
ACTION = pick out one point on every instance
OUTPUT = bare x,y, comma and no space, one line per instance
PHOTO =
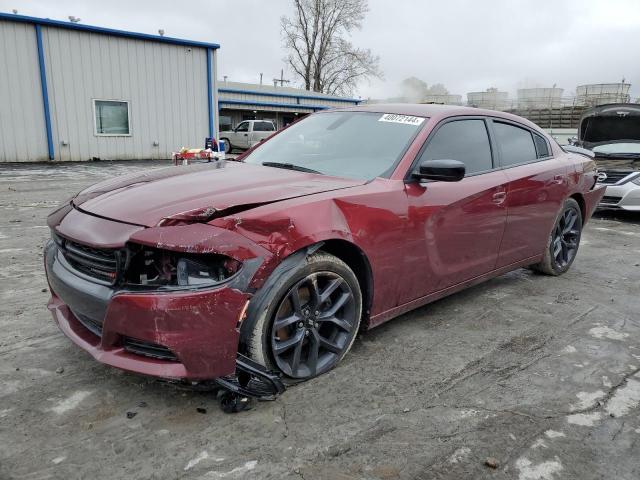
280,80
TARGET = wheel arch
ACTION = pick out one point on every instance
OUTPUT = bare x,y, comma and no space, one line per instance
346,251
358,261
580,199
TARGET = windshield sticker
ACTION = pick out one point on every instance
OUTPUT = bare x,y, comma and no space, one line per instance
404,119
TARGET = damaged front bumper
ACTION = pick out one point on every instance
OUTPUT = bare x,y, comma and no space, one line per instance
181,336
190,335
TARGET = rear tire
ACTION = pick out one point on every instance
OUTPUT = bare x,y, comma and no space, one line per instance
307,317
564,240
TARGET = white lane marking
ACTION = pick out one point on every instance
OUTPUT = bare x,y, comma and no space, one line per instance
554,434
58,460
569,349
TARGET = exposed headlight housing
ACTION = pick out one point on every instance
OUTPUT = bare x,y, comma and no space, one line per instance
199,273
154,267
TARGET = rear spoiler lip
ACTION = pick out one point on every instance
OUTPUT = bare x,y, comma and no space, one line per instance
578,150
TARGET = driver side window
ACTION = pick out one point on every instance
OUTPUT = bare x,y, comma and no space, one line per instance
243,127
463,140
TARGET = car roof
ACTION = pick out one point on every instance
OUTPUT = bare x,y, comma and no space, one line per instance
435,111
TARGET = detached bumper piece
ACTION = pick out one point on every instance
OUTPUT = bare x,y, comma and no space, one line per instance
251,380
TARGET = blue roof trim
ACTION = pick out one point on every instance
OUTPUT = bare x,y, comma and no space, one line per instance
106,31
266,104
287,95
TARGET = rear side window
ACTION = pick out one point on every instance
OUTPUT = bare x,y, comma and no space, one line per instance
516,144
263,127
542,148
463,140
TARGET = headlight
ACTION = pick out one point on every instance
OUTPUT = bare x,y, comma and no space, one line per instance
190,272
636,180
155,267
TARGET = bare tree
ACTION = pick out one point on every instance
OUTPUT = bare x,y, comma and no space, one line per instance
319,51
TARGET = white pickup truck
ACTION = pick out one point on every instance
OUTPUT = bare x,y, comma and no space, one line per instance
247,134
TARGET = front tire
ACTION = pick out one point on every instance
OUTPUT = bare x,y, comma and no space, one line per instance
307,317
564,240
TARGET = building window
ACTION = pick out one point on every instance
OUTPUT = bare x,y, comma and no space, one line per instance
112,117
225,123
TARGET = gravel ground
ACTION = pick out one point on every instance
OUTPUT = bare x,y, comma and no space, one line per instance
541,374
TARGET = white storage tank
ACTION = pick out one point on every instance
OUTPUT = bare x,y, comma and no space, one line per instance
602,93
492,99
529,98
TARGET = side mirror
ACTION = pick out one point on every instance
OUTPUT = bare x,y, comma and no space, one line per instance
573,141
443,170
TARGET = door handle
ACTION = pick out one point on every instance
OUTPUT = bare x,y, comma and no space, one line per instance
499,197
246,134
559,179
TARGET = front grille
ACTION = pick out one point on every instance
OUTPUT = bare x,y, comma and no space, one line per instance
148,349
93,326
614,176
99,263
610,200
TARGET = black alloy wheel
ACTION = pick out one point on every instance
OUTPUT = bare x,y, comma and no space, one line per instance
566,238
563,241
314,325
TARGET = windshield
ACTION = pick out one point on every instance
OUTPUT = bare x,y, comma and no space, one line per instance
358,145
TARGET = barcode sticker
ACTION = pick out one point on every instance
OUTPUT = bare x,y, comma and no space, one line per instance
404,119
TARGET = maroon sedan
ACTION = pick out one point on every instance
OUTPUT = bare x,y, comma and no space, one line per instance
338,223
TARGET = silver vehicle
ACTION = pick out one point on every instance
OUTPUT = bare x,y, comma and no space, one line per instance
247,134
612,132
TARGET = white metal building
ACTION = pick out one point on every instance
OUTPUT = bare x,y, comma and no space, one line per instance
445,99
282,105
76,92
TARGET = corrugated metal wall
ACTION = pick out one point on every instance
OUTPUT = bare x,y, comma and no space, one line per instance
22,128
165,85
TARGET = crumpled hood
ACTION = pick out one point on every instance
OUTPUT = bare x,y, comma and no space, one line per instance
147,198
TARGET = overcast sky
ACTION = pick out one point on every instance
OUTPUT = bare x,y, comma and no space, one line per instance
466,45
